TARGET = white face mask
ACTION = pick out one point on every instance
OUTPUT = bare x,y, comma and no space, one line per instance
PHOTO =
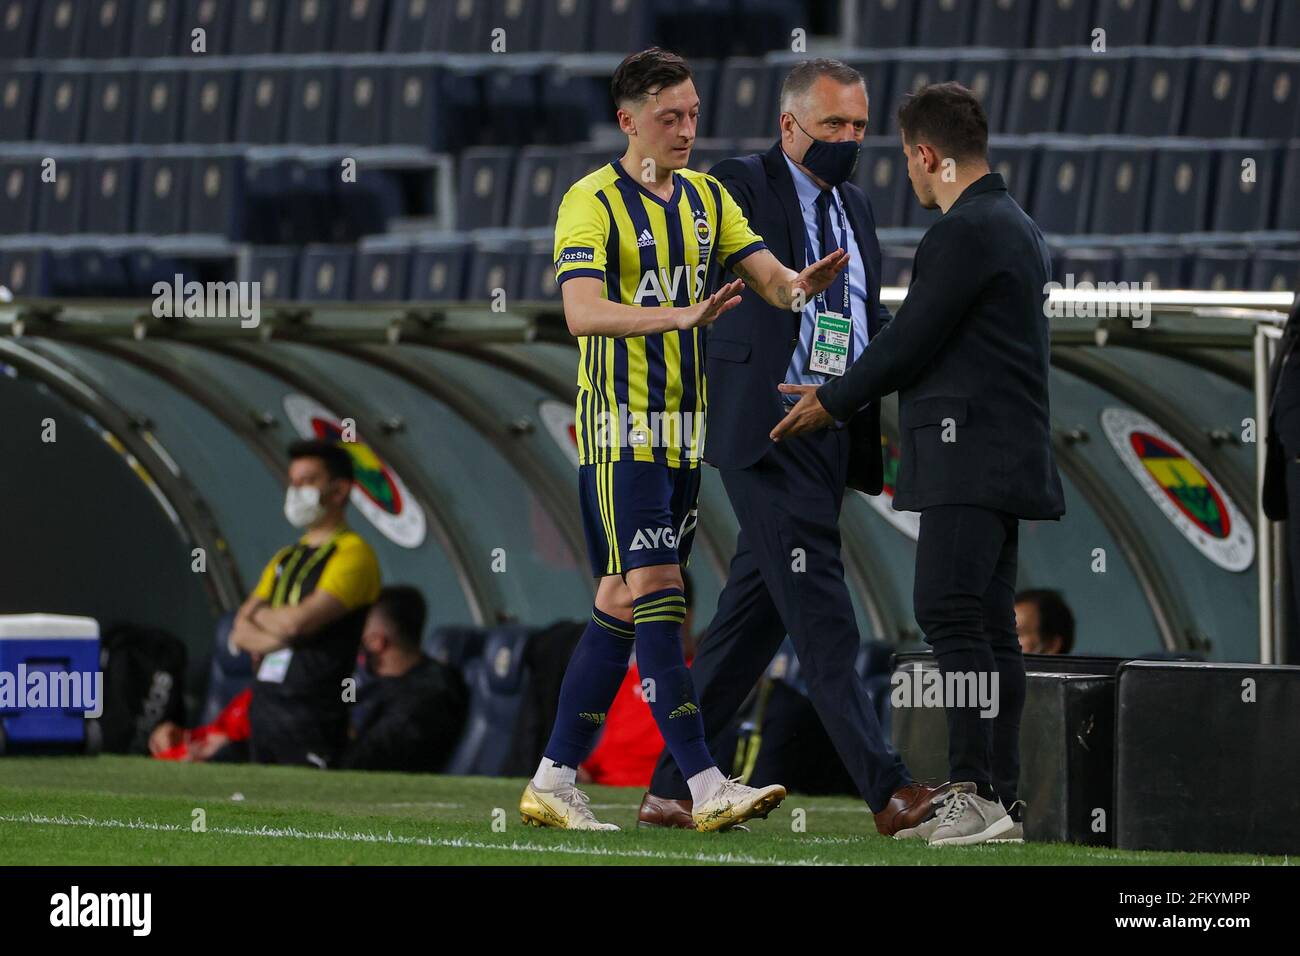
302,506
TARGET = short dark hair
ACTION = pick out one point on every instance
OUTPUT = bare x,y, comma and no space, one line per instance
1055,619
948,117
800,80
337,461
404,606
645,73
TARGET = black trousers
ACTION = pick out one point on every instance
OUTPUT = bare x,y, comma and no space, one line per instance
1286,425
964,599
787,577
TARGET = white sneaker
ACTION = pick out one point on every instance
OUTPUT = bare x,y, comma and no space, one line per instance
733,802
1017,832
968,819
564,807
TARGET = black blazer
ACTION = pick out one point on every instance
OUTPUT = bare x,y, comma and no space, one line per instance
1273,495
749,348
968,355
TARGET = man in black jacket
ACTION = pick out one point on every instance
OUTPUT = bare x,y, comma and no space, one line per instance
787,575
1281,492
968,355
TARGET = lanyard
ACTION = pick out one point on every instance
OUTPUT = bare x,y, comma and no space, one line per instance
820,299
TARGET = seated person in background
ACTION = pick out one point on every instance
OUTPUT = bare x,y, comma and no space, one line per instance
630,743
303,622
225,740
1044,622
410,713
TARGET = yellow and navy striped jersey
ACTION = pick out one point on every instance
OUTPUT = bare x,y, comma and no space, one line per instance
641,398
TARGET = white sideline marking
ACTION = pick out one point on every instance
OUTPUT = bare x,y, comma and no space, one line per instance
363,837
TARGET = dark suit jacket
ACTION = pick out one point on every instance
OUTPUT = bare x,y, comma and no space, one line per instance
970,345
749,348
1274,499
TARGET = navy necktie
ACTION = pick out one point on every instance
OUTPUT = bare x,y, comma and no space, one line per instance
830,241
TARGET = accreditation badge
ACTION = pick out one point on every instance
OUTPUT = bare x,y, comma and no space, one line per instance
831,344
275,666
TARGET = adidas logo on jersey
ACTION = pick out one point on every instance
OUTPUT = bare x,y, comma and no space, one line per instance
645,239
652,538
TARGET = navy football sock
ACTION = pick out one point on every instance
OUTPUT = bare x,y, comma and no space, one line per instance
594,675
658,618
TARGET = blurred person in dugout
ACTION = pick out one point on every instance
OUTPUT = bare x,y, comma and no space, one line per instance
1044,622
303,622
1281,492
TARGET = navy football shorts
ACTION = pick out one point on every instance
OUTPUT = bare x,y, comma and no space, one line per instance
637,514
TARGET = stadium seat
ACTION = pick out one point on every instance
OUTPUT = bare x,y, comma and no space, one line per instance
1016,163
759,27
275,269
263,101
1217,102
438,270
1063,23
912,73
382,273
160,195
496,681
256,27
414,107
618,26
942,23
410,25
357,26
697,27
107,31
1126,22
213,17
1181,22
522,23
988,80
745,101
1120,190
1096,100
17,103
91,270
154,27
896,265
565,26
308,26
509,113
1288,200
704,74
311,106
1244,23
25,272
1160,268
1062,188
1003,24
496,268
1275,270
876,71
229,675
363,91
1087,265
1036,95
1286,32
539,278
216,195
1180,189
569,103
1157,90
58,210
58,36
18,28
62,108
159,95
109,107
465,27
454,645
882,175
1244,188
110,195
325,273
209,106
1218,270
886,24
484,187
537,189
1273,108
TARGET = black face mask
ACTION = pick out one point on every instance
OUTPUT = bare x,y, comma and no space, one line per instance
832,163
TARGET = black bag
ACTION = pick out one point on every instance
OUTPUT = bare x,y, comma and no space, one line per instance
144,684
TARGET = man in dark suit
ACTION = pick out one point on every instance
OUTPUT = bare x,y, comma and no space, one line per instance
1281,491
968,355
787,575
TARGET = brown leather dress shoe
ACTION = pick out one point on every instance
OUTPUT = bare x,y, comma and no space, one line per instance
908,807
662,812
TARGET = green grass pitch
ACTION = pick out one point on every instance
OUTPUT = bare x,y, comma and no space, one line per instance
132,810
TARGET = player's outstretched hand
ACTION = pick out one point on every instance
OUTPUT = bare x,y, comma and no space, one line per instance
818,276
706,313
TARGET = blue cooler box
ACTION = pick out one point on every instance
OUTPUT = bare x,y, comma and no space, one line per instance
46,645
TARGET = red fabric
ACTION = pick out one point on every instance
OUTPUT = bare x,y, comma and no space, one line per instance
231,723
631,743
